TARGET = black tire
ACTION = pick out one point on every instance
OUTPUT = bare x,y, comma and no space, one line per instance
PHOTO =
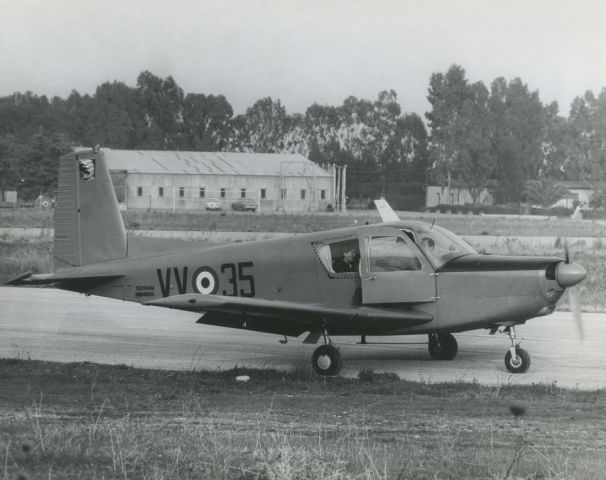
442,346
326,360
522,363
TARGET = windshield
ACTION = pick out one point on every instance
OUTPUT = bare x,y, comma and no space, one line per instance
439,245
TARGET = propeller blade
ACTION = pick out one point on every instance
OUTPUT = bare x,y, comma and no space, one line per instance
575,308
566,252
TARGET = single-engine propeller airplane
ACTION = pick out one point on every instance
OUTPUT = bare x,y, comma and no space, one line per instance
398,277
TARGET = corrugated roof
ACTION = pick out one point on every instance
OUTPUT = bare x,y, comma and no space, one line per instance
212,163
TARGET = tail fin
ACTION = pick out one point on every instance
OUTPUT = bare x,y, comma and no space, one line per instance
385,210
88,224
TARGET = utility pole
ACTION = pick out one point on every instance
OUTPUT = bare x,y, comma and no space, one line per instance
343,182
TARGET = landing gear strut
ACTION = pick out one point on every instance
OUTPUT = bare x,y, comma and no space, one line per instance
442,346
517,359
326,359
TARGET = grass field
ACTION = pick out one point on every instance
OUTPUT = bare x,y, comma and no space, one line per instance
85,421
243,222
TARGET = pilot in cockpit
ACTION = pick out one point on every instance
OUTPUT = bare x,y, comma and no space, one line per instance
348,262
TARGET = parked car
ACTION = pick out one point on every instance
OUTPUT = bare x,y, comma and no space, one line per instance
213,205
245,205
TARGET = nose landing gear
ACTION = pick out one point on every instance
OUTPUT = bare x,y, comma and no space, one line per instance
517,360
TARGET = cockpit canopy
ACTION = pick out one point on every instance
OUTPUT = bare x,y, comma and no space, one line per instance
387,250
438,244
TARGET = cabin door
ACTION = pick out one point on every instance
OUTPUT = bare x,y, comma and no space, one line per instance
393,270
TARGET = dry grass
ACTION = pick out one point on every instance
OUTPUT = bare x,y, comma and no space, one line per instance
17,257
93,421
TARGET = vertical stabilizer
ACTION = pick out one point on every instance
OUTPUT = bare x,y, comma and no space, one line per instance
385,210
88,224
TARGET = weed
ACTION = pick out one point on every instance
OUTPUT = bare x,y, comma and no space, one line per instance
283,425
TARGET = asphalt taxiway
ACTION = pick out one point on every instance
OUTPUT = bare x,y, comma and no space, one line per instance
49,324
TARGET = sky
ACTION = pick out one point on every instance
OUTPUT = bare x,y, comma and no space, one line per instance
303,52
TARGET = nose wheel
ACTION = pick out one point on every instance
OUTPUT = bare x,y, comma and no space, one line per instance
517,360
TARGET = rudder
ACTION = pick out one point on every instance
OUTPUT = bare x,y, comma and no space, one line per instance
88,224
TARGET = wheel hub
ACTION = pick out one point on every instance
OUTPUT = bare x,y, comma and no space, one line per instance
515,362
324,362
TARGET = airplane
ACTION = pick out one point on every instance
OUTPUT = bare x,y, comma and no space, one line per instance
398,277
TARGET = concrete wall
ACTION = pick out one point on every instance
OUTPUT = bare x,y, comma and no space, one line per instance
455,196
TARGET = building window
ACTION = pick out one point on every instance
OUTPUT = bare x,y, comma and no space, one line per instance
181,192
202,192
303,193
222,193
243,193
283,193
323,194
160,191
263,193
139,191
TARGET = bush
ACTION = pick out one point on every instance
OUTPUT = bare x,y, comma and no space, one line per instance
508,209
467,209
594,214
552,212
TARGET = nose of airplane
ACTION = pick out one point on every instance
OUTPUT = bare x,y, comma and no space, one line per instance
569,274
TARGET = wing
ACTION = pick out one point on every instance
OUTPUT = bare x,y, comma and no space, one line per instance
291,318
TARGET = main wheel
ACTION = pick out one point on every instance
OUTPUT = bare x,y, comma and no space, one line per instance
521,363
442,346
326,360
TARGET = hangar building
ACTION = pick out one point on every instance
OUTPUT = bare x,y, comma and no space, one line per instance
196,180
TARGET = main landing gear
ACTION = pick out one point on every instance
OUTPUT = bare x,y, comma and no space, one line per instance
442,346
326,359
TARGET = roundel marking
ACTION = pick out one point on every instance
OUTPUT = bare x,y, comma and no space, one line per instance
205,281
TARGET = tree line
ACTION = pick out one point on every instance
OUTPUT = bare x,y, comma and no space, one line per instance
475,137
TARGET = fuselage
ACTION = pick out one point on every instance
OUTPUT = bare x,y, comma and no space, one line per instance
460,289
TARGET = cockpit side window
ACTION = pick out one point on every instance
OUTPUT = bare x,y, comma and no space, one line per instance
391,254
340,257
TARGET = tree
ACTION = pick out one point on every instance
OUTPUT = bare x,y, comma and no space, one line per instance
321,126
586,158
447,93
206,122
518,136
544,192
405,163
263,128
461,131
11,150
554,148
163,106
23,114
116,117
36,164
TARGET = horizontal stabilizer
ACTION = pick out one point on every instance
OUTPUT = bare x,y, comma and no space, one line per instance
279,316
48,278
